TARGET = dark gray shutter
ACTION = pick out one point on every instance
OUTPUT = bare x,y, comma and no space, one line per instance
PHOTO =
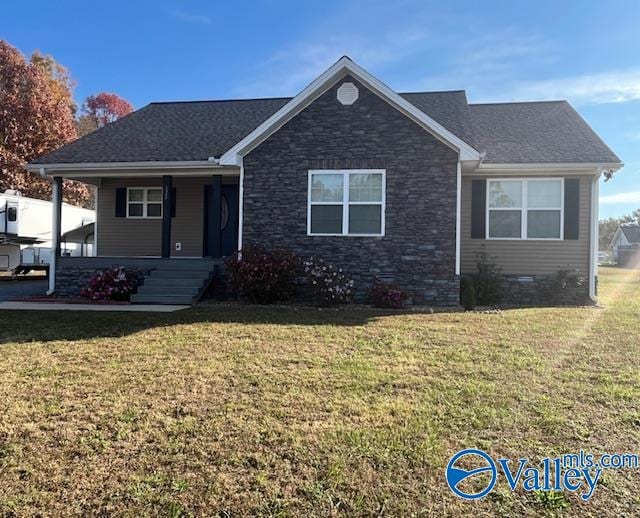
571,208
478,209
173,202
121,202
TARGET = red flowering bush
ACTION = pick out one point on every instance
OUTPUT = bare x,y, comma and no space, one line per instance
112,284
263,277
327,284
385,295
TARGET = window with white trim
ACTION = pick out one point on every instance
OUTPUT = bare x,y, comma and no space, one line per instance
346,202
525,208
144,202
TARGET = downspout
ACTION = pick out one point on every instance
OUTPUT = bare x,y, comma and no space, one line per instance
458,214
593,238
241,205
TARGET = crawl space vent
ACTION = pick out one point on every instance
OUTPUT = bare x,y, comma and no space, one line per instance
347,93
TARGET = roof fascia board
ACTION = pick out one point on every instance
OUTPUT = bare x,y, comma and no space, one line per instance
344,66
150,173
84,166
315,89
616,234
594,168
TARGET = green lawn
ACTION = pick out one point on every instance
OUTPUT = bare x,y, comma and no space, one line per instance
277,411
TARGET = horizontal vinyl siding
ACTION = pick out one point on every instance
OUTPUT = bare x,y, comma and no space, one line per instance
123,236
528,257
143,237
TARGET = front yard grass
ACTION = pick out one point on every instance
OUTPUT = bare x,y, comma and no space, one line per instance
236,411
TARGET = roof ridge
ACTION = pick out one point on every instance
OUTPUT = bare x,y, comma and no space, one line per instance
222,100
282,98
521,102
434,92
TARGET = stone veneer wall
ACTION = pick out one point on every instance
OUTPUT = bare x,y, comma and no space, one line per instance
70,281
417,252
542,290
73,273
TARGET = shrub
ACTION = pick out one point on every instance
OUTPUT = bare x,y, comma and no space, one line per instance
563,286
263,277
327,284
112,284
467,294
486,281
384,295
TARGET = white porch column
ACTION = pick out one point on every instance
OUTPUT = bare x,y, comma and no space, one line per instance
56,226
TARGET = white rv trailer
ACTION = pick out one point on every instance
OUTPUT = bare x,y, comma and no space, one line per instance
25,230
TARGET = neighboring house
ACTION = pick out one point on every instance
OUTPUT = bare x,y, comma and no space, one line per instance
25,230
626,245
407,187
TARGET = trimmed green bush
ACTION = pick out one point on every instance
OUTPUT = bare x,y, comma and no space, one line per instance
467,294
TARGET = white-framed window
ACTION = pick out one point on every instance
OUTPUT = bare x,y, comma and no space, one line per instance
144,202
525,208
348,202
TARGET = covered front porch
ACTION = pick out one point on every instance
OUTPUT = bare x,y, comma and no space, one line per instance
147,221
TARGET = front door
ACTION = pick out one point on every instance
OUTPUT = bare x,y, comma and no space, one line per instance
224,215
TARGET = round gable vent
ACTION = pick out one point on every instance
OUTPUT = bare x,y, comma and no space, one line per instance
347,93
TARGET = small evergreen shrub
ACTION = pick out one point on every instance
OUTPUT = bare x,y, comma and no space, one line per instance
385,295
562,288
263,277
486,281
327,284
467,294
112,284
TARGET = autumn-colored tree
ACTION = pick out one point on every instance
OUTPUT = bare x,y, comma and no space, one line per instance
58,77
36,117
101,109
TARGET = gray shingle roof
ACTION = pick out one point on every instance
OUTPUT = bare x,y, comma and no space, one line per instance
631,232
541,132
536,132
448,108
180,131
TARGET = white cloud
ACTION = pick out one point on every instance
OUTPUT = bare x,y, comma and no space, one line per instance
623,197
289,70
499,52
191,18
486,64
495,68
615,86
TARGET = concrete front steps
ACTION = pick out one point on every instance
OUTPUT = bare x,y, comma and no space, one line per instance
180,282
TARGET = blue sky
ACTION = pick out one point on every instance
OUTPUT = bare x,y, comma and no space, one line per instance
585,51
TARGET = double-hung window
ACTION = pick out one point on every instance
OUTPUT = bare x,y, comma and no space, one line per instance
346,202
525,208
144,202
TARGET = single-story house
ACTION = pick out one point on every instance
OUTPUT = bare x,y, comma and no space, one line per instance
625,245
408,187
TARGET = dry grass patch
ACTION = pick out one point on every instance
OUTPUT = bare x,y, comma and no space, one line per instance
278,412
